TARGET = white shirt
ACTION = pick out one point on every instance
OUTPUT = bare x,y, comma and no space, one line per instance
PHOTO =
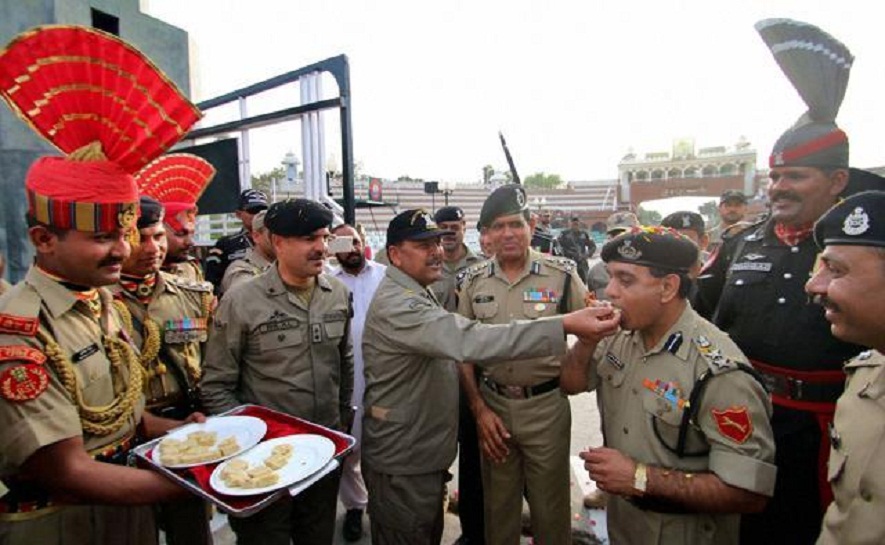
363,287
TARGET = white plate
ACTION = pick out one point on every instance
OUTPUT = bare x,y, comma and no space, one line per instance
310,454
248,431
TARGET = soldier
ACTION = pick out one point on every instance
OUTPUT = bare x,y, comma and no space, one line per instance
520,452
282,341
732,210
456,255
257,259
410,346
687,442
362,277
597,278
485,242
753,287
543,239
577,245
691,225
232,247
166,317
850,285
71,403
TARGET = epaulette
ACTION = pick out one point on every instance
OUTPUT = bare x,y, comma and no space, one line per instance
20,313
561,263
714,357
740,228
188,284
474,271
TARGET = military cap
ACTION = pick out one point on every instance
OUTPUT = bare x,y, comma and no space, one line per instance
659,247
258,221
685,220
505,201
413,225
862,180
252,200
448,213
151,212
297,217
732,195
620,221
859,220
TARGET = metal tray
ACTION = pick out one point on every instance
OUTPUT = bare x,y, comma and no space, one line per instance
248,505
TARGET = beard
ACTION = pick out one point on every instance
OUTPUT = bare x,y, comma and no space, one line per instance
352,261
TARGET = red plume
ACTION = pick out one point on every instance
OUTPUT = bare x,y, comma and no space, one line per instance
177,177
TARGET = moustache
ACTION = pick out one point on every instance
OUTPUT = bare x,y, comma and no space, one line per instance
825,302
316,255
785,195
110,262
433,262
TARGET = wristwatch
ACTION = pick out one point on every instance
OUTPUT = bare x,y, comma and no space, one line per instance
640,478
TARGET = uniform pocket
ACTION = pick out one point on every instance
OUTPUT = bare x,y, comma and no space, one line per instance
485,311
611,371
335,330
283,338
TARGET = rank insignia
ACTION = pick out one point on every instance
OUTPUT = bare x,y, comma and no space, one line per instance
24,382
668,391
18,325
22,353
734,423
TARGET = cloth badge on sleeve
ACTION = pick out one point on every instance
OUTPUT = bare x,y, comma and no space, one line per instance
18,325
24,382
734,423
668,391
22,353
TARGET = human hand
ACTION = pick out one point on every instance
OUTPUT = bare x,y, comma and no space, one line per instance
613,471
195,417
493,435
593,323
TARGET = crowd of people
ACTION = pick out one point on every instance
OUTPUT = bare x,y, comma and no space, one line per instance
740,384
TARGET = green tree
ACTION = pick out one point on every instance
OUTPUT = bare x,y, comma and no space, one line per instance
710,211
264,181
541,180
648,217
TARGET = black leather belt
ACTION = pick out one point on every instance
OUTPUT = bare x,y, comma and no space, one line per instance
521,392
800,389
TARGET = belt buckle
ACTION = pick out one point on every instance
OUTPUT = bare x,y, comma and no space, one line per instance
515,392
794,388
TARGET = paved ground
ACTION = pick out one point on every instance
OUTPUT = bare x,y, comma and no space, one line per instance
588,526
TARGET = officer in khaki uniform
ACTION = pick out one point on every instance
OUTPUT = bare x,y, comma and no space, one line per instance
257,259
522,417
850,284
166,317
282,341
688,443
456,255
71,403
411,346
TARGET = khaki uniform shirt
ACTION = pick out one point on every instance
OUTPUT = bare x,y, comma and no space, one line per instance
243,269
4,286
189,269
268,347
444,288
27,425
179,307
857,457
410,346
488,296
639,390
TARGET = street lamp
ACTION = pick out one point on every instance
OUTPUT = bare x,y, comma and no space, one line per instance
447,188
540,203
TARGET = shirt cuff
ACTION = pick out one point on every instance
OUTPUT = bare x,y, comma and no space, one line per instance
744,471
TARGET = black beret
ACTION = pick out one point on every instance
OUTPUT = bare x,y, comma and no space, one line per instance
685,220
413,225
859,220
730,195
150,212
252,200
448,213
658,247
297,217
505,201
862,180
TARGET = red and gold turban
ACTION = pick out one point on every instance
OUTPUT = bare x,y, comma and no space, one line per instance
104,105
177,180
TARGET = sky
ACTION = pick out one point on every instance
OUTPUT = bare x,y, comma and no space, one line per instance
573,84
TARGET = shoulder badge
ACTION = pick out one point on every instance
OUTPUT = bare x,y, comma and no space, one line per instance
563,264
734,423
23,382
468,274
18,325
22,353
717,362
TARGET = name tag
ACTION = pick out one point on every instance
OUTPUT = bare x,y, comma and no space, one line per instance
751,266
81,355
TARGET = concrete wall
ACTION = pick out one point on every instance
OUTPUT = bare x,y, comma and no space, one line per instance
166,45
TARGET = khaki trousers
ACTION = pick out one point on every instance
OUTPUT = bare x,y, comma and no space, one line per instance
405,509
